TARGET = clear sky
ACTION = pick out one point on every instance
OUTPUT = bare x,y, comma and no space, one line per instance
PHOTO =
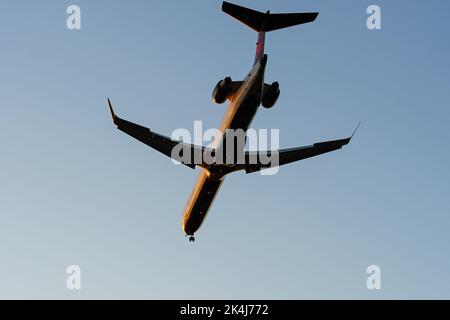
74,190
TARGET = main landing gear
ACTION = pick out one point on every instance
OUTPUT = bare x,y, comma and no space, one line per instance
191,239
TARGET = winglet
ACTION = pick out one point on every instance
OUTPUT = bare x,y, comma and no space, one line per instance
113,115
356,129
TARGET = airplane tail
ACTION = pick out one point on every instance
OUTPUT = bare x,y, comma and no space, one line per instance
266,22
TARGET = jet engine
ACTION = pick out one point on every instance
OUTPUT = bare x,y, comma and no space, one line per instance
270,95
222,90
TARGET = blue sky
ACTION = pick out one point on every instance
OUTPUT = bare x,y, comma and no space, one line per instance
74,190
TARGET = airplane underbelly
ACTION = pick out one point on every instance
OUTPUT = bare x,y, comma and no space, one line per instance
201,199
245,114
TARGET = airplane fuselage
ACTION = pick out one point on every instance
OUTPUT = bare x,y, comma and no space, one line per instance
242,108
226,153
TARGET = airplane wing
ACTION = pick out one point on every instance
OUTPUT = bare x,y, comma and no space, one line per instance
256,161
161,143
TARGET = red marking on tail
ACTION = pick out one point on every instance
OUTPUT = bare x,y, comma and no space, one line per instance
260,46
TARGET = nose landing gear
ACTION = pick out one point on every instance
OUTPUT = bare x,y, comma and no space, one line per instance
191,239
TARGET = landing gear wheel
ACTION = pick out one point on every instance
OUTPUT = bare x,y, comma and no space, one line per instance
191,239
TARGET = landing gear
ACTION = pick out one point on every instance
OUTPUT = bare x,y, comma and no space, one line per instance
191,239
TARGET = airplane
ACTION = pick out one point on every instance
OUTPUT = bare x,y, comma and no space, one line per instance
245,97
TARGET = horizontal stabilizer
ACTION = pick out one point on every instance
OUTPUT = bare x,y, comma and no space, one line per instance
265,22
